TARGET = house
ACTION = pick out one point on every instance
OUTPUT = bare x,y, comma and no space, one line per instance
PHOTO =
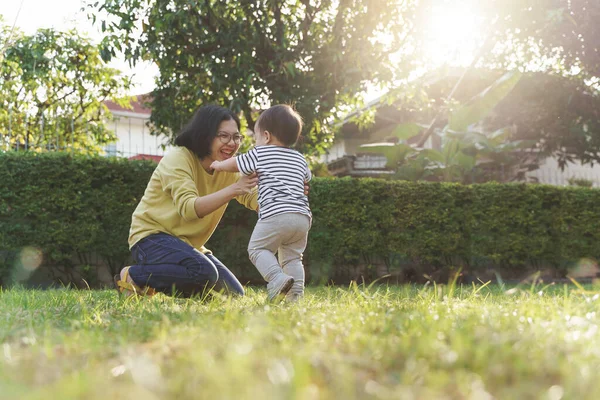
346,157
133,135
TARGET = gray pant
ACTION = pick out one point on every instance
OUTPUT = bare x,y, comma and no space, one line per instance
285,234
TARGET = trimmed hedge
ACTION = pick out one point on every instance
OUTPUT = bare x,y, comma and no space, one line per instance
77,210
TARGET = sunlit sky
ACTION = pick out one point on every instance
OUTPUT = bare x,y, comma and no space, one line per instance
64,15
451,32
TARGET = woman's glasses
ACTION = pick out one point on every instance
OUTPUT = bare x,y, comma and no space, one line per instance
226,137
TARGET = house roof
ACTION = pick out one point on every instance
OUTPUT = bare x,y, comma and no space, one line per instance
146,157
138,105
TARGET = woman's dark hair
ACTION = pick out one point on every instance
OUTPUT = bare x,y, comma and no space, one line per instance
199,133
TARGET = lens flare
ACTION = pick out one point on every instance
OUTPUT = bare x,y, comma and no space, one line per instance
585,268
28,260
31,258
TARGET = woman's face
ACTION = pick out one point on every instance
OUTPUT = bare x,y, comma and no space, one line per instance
227,141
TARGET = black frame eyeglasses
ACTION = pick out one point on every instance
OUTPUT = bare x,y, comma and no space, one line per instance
226,137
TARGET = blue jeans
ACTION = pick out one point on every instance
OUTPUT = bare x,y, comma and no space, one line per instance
169,265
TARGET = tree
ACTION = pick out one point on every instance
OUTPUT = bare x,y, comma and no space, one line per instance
558,41
549,35
561,114
52,88
319,55
467,152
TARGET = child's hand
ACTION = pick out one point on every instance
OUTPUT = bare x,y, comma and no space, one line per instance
215,165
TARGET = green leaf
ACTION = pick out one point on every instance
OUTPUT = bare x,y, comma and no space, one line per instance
291,68
465,161
501,135
449,151
406,131
481,105
432,155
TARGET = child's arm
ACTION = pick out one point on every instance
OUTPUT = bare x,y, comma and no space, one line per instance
229,165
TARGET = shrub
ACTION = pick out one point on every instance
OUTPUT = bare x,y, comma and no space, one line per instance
77,211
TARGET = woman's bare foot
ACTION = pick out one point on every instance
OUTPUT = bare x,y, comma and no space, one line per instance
125,277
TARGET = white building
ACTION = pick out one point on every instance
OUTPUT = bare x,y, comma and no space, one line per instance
550,173
133,135
345,157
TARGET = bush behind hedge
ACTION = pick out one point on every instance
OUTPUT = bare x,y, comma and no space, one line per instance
77,210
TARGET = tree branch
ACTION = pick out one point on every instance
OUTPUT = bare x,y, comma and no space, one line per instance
248,114
309,15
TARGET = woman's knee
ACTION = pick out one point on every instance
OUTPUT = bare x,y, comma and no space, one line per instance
203,270
212,274
227,280
238,290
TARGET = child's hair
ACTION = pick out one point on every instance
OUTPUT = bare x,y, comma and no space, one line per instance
283,122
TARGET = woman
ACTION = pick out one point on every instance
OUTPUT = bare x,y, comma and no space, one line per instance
181,207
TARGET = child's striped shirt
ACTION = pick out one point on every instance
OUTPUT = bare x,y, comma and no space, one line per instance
281,176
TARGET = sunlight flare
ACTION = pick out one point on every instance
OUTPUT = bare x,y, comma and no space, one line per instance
451,33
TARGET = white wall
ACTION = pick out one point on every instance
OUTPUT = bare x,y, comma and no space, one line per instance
133,136
336,151
550,173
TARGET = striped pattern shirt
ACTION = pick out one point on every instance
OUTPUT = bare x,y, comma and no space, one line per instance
281,176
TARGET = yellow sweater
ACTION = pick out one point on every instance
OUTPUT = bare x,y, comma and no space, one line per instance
168,202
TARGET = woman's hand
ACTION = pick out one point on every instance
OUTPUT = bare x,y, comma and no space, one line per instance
246,183
306,188
204,205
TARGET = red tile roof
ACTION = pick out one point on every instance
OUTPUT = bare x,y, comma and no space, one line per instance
146,157
138,104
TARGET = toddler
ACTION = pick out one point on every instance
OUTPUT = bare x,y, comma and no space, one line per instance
284,216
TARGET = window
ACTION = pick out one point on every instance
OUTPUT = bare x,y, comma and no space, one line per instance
111,150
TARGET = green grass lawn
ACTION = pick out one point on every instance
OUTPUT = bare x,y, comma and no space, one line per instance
409,342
